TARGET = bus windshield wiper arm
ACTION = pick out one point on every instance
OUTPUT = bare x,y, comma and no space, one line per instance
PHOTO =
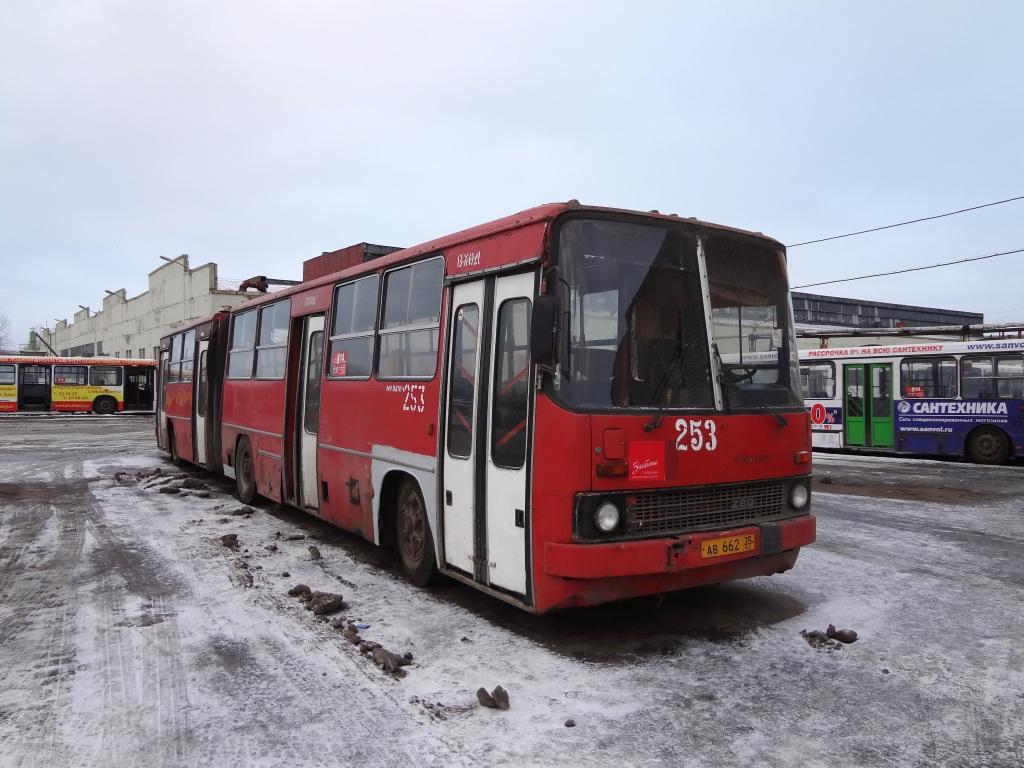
721,376
659,416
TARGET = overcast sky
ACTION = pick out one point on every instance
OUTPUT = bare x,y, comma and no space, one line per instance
258,134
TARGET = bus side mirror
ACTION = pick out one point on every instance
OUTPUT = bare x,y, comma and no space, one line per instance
542,331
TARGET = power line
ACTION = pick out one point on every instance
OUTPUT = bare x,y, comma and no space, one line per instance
904,223
911,269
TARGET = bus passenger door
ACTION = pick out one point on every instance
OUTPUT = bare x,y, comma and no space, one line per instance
308,421
507,467
161,400
462,422
881,405
199,397
34,387
484,504
854,401
868,405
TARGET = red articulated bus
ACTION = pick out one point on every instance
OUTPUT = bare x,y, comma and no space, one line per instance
564,407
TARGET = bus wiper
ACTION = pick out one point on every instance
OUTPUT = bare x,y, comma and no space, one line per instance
721,377
676,359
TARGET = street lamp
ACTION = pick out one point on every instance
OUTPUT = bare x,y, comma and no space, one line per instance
177,260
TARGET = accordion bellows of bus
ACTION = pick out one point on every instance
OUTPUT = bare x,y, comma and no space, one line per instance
563,407
72,384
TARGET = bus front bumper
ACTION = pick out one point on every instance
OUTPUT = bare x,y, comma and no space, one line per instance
676,553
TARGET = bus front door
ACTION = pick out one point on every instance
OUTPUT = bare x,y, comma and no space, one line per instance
33,387
485,463
868,405
161,400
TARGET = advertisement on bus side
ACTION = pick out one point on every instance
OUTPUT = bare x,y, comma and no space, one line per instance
949,415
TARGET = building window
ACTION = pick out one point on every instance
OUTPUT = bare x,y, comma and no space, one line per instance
354,319
411,317
273,345
243,342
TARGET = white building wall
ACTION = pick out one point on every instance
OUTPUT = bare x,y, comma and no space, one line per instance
132,327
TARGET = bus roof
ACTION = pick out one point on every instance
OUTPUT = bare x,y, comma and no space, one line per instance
537,216
901,347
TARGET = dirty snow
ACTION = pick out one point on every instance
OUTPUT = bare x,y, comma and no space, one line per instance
129,635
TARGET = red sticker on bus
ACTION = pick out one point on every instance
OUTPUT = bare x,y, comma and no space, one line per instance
339,363
647,460
817,413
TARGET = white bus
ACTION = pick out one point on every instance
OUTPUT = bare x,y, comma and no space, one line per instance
963,398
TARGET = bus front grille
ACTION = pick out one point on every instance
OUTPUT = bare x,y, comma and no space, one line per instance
702,509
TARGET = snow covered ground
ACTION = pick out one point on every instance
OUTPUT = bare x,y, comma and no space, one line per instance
131,636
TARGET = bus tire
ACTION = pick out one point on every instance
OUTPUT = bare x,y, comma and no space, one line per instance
172,447
245,471
104,405
412,531
988,445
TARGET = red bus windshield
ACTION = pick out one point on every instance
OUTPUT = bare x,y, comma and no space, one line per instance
638,332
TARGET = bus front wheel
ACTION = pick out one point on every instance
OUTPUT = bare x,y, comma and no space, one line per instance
245,471
104,405
415,542
988,445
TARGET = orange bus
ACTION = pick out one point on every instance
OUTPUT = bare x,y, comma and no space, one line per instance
69,384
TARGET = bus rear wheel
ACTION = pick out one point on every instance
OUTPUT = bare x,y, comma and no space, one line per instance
245,471
988,445
415,542
104,405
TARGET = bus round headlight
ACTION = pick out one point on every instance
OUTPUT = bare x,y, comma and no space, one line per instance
798,496
606,518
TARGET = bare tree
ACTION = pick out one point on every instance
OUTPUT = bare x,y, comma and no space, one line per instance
5,331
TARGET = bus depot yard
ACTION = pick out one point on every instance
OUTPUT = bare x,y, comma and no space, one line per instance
132,633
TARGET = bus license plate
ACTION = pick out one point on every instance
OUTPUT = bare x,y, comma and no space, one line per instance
730,545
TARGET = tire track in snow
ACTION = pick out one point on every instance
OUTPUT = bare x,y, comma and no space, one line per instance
131,642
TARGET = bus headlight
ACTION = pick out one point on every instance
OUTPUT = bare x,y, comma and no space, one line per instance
606,518
798,496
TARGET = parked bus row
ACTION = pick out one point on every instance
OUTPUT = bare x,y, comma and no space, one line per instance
927,398
69,384
556,407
